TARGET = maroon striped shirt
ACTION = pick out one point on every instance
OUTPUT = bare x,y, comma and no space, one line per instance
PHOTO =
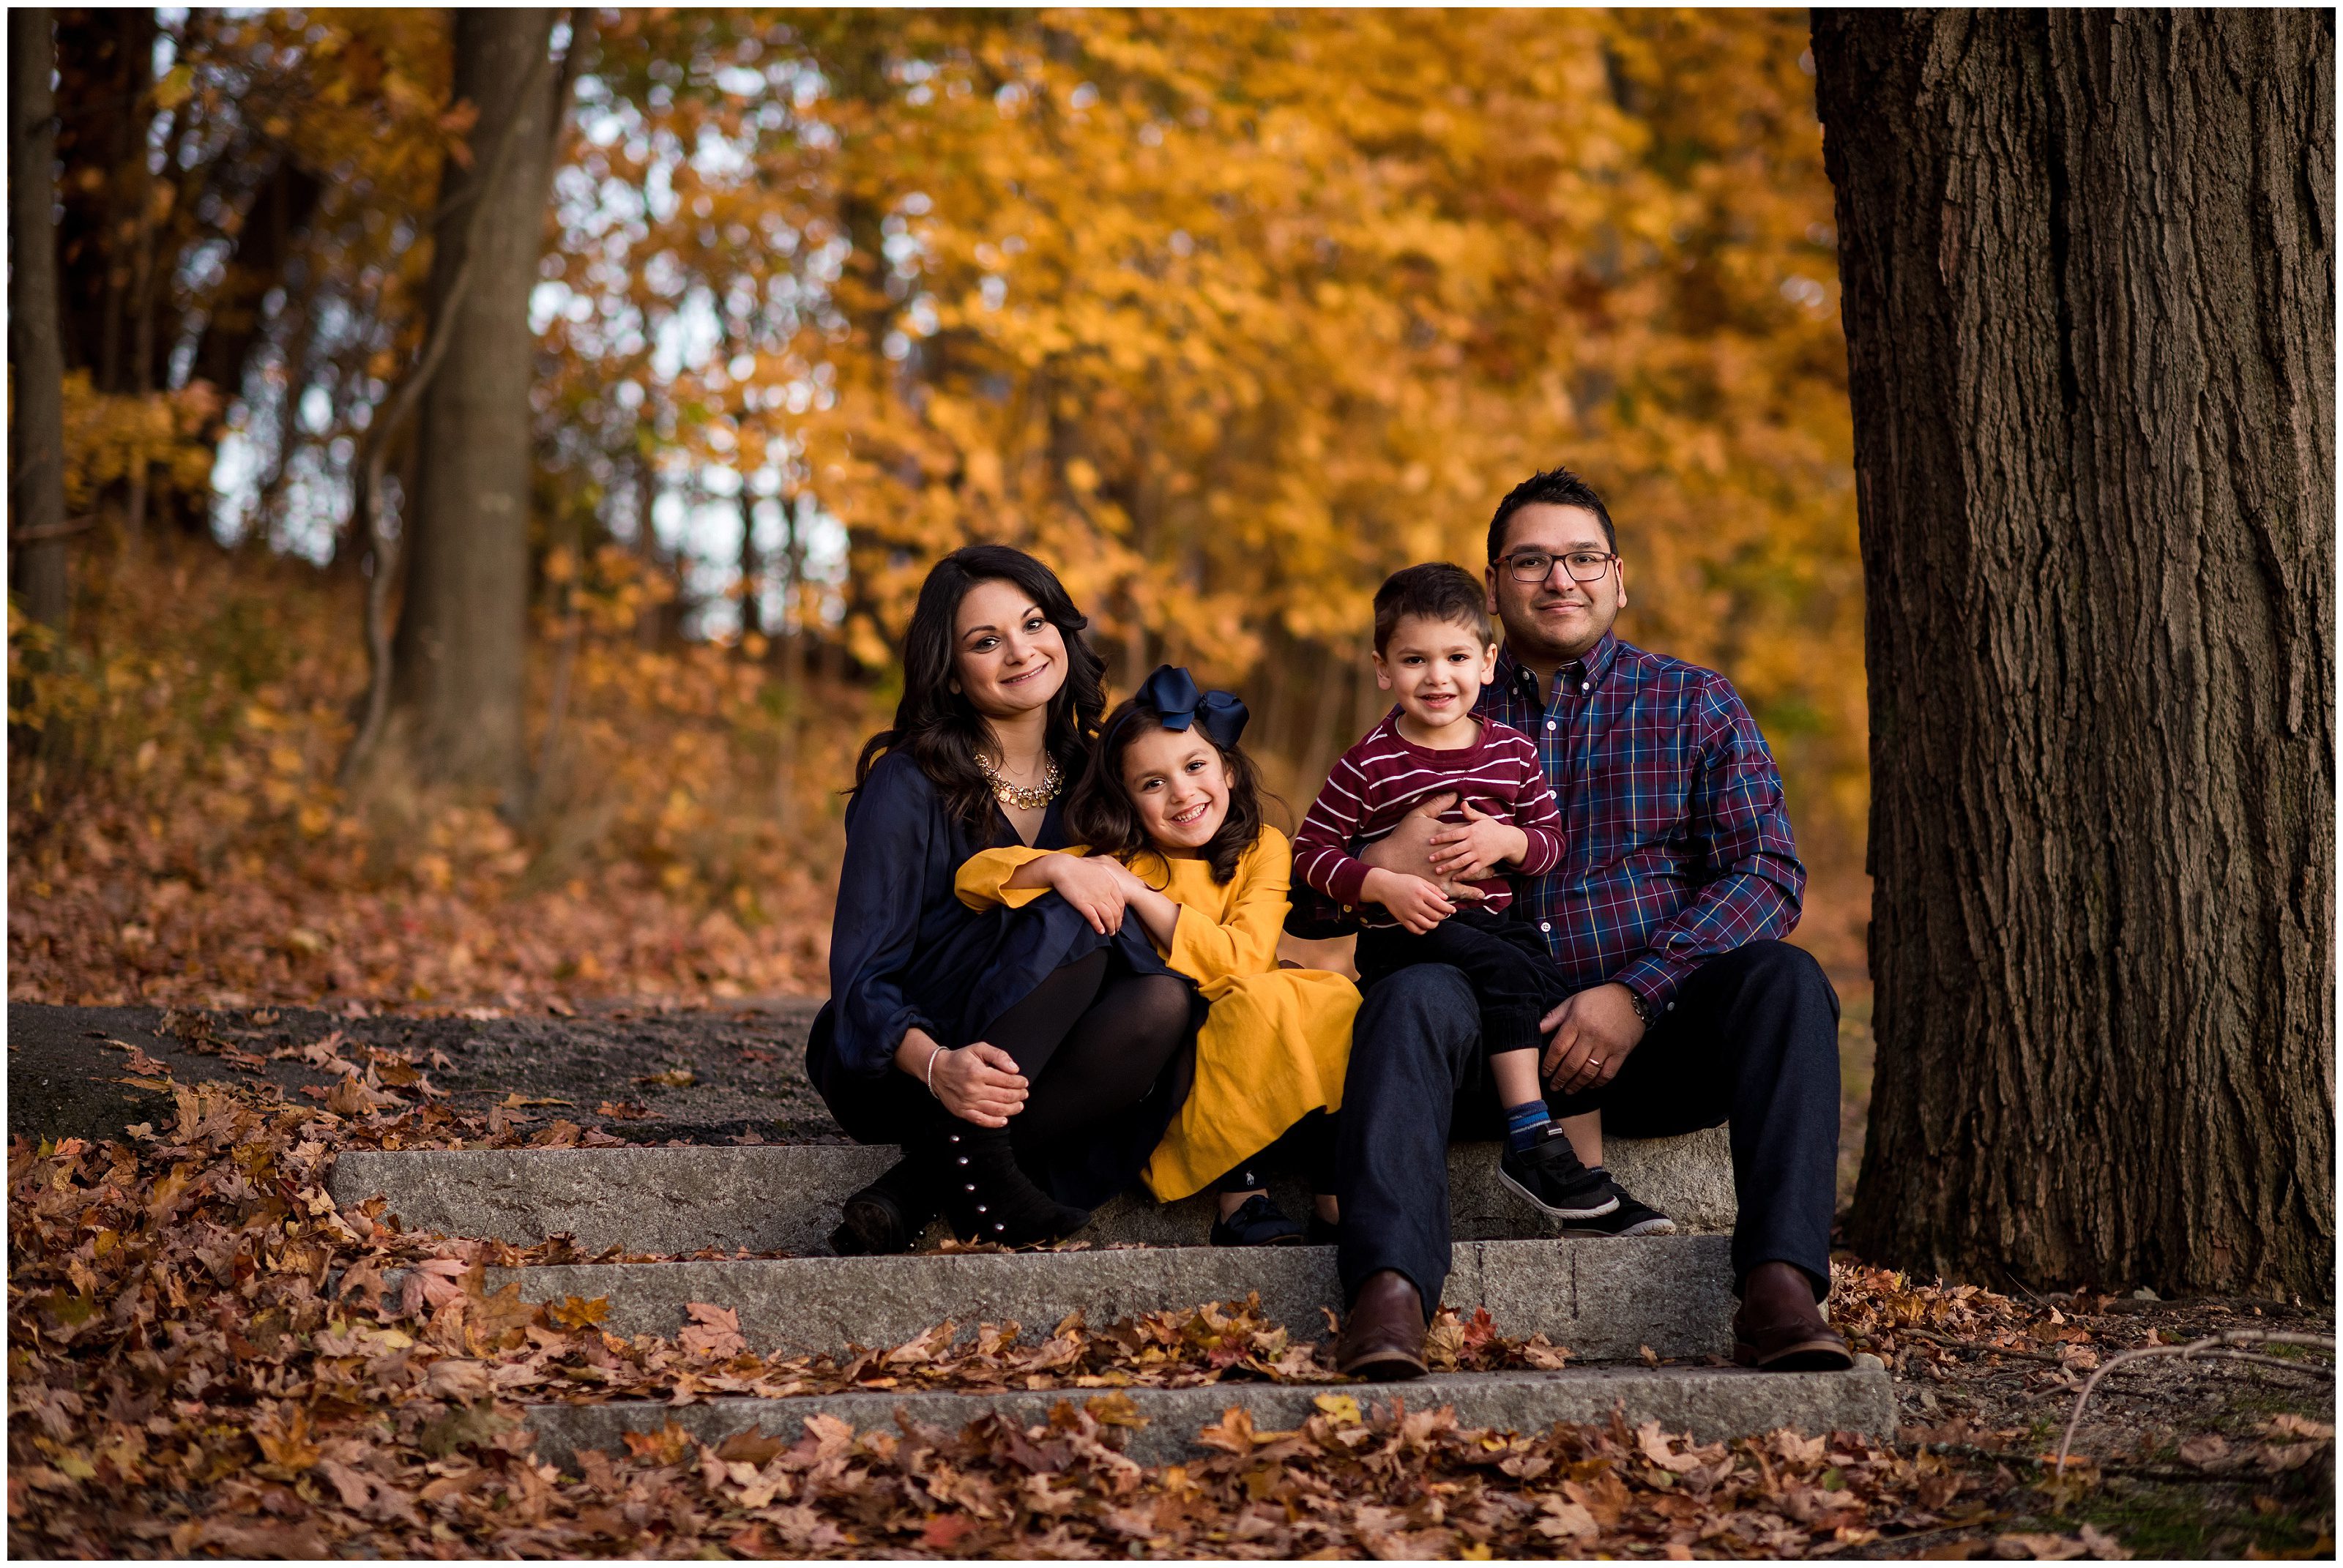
1378,781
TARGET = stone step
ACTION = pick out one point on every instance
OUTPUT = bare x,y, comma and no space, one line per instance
785,1198
1605,1300
1711,1403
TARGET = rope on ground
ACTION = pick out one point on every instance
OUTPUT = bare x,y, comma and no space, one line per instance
2220,1344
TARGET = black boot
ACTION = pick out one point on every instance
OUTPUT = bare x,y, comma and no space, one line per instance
888,1215
987,1198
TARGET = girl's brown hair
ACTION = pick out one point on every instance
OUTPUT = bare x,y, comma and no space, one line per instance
1100,815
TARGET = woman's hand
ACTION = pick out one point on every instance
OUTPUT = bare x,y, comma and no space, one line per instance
1091,884
979,1084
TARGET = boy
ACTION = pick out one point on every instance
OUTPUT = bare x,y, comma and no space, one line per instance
1433,653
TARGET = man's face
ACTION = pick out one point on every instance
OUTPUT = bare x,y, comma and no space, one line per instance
1555,617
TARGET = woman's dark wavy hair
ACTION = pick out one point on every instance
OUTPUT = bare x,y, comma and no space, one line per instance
940,727
1100,814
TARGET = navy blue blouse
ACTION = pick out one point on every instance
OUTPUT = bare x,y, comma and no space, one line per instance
904,953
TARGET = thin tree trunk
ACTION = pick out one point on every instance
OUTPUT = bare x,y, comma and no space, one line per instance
458,685
752,572
2088,265
1325,712
36,437
106,68
796,629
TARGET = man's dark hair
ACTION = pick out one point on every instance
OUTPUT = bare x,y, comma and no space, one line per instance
1434,591
1554,488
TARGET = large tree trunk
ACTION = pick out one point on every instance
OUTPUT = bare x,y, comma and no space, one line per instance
37,431
2089,267
463,633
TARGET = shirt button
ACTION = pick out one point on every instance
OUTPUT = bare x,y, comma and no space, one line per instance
1549,724
1545,925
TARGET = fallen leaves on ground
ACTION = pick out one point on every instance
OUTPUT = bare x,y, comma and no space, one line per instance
209,1356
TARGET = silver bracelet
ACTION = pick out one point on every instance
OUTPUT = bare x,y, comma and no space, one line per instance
931,1070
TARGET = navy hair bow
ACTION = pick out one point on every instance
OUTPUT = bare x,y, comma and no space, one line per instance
1172,693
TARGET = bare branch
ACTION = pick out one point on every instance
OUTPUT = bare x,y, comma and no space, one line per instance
2212,1344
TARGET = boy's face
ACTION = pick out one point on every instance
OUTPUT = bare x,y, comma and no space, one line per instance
1435,668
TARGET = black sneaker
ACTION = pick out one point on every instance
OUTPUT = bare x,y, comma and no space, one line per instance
1631,1217
1258,1223
1548,1174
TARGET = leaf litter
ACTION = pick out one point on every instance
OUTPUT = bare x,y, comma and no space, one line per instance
209,1356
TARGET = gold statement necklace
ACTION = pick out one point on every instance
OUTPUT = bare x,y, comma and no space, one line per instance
1020,796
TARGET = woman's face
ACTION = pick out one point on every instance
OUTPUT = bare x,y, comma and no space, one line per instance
1009,658
1179,786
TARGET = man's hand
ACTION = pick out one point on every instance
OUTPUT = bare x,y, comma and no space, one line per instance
1407,849
1470,852
1592,1034
1414,902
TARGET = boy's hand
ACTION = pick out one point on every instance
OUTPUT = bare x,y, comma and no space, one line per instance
1468,853
1093,886
1415,903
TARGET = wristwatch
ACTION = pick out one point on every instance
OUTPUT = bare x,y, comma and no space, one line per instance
1645,1008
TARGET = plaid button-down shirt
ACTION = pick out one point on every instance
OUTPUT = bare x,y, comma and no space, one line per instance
1676,844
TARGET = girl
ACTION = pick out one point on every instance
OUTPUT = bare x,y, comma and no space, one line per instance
1176,854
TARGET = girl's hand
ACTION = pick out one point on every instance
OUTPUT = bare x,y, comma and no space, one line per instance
1469,852
979,1084
1415,903
1092,884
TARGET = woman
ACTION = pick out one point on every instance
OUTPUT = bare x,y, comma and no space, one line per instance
1026,1083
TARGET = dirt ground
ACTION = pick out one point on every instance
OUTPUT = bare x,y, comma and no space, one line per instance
2186,1459
646,1075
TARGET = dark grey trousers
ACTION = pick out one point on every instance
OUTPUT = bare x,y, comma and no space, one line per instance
1752,1039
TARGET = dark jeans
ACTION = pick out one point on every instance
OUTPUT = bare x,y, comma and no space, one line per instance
1505,961
1752,1039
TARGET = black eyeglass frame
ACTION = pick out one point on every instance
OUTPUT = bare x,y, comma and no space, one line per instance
1511,563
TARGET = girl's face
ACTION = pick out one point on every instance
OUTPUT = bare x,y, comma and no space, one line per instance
1177,783
1008,657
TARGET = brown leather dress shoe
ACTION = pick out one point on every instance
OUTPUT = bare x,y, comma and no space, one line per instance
1383,1340
1780,1328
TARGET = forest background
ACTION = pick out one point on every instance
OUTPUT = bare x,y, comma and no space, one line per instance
1225,314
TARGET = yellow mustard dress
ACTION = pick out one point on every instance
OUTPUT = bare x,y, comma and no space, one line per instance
1273,1049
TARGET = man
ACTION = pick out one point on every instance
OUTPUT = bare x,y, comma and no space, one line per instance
1679,881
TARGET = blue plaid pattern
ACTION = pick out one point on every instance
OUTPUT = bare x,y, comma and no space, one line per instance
1676,845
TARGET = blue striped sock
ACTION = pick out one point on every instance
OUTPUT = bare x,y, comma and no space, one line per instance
1525,1124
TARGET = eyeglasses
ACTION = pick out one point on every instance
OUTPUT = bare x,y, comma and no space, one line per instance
1537,565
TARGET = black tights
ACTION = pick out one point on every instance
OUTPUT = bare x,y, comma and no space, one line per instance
1089,1042
1308,1143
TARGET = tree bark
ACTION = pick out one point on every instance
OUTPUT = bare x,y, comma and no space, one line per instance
37,431
2088,271
106,68
463,632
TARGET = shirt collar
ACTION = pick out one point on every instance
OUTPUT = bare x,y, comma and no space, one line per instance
1514,676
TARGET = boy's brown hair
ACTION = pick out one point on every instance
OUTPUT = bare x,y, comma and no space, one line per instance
1432,591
